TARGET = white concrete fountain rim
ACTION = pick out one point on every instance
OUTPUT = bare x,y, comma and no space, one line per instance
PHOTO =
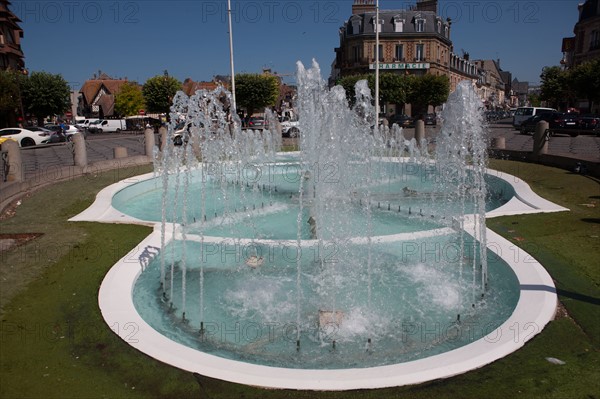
535,308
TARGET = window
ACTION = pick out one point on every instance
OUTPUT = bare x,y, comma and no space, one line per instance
399,52
357,53
438,28
9,132
356,26
595,40
420,25
377,27
398,25
580,40
420,52
446,31
380,52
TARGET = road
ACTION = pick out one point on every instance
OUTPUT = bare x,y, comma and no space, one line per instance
101,146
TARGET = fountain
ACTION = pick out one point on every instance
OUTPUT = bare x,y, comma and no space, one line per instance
361,261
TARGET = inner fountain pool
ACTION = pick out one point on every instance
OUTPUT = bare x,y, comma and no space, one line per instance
265,206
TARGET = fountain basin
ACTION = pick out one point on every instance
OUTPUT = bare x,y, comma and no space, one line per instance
534,308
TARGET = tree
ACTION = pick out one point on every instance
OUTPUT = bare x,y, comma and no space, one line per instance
349,82
159,91
420,91
534,100
255,91
585,79
45,94
427,90
393,88
10,96
129,100
554,85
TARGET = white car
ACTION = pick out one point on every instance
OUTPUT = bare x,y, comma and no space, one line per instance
69,130
25,138
289,128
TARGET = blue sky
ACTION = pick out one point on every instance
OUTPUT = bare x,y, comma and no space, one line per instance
189,38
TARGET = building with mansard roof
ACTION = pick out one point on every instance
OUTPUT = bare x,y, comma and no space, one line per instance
585,45
11,54
412,41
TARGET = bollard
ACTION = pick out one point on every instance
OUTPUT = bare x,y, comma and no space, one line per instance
162,132
149,142
120,152
540,139
79,150
419,131
499,143
14,161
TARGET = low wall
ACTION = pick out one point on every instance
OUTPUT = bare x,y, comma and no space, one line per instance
558,161
12,190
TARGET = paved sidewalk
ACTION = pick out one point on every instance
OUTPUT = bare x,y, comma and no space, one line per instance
48,158
583,147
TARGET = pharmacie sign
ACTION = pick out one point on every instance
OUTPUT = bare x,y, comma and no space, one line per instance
401,65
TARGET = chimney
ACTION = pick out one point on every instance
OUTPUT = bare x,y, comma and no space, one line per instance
427,5
363,6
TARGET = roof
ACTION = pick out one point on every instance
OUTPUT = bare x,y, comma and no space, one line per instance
91,87
390,17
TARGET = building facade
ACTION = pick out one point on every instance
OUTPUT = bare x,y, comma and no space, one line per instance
585,45
412,41
491,85
11,54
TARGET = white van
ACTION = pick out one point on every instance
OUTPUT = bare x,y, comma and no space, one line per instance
523,113
85,123
107,126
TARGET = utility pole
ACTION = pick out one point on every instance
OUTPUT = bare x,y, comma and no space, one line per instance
231,57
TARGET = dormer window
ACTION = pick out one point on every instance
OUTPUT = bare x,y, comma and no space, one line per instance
419,24
355,25
377,27
398,24
446,30
438,27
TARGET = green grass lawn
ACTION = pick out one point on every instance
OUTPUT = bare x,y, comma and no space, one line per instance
54,343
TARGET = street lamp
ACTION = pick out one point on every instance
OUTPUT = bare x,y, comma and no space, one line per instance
377,65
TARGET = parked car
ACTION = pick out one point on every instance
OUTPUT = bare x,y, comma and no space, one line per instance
181,135
93,126
568,121
401,120
431,119
25,137
289,127
109,126
85,124
68,130
257,122
557,123
53,137
589,122
524,113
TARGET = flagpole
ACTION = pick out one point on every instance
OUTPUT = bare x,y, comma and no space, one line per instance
377,65
231,56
